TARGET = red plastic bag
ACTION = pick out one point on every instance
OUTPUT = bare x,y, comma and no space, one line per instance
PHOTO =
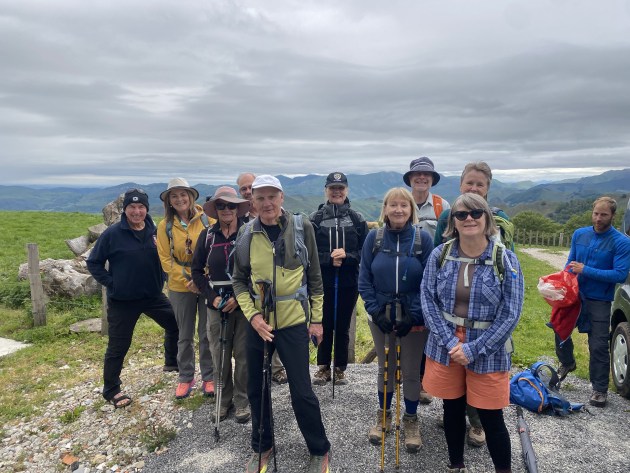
559,289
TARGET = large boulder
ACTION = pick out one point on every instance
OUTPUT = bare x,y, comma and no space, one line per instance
68,278
113,210
96,231
78,245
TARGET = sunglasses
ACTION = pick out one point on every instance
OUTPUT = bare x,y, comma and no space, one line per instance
188,246
139,191
462,215
224,205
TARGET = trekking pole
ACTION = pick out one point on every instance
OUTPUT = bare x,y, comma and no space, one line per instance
529,456
264,287
384,419
334,334
398,383
222,341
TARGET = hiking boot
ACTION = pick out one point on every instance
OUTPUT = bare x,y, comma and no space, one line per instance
476,437
457,469
252,464
280,376
375,432
170,368
184,389
340,377
322,376
318,464
223,413
598,399
242,414
413,441
207,387
425,397
564,370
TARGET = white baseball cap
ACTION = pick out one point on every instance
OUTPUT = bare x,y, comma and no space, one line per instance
266,180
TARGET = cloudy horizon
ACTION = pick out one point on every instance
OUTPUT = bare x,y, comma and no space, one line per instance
99,93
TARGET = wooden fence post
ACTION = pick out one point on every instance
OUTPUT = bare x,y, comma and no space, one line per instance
37,290
353,336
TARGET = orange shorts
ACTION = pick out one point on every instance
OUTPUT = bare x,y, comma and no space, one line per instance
485,391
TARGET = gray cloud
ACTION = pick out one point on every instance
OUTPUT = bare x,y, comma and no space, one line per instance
95,93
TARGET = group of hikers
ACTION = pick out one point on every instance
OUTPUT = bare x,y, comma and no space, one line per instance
441,285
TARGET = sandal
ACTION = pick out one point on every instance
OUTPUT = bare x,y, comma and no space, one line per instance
120,401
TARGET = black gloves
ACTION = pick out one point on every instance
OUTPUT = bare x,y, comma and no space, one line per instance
403,326
382,321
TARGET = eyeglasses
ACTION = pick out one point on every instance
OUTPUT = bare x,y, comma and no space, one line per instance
223,205
139,191
188,246
462,215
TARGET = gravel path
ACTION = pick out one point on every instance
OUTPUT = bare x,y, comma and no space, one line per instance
557,258
599,441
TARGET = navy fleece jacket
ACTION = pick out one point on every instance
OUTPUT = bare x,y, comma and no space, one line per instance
385,273
134,266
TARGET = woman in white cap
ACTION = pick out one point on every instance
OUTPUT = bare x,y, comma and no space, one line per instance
177,236
211,269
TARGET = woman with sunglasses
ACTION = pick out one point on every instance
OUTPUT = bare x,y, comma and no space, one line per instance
177,235
475,178
471,309
211,269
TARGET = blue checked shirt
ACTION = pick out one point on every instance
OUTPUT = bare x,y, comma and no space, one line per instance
490,300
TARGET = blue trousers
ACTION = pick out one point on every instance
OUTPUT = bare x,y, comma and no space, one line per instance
292,345
598,314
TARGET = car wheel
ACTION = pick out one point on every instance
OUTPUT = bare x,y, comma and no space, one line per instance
619,354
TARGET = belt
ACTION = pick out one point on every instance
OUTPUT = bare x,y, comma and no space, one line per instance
464,322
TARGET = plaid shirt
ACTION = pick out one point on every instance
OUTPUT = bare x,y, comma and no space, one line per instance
490,300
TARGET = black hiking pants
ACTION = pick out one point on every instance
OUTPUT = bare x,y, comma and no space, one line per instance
122,317
292,345
346,300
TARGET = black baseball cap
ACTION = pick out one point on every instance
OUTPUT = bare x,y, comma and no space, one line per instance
336,179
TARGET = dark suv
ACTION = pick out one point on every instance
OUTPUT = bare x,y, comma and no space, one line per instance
620,326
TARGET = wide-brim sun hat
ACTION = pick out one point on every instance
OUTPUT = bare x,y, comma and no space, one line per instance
225,194
178,183
422,164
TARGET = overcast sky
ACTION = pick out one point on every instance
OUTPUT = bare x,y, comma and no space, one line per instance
100,92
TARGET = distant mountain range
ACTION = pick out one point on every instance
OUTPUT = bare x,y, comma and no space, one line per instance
305,193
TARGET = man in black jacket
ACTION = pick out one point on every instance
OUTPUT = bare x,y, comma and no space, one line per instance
134,282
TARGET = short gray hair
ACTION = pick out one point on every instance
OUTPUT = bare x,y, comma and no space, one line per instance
470,201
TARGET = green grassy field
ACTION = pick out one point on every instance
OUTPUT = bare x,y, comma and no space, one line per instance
32,375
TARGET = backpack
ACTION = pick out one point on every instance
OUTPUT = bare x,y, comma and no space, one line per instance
354,216
209,245
496,261
437,205
505,227
242,247
538,391
169,234
244,238
437,208
417,243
